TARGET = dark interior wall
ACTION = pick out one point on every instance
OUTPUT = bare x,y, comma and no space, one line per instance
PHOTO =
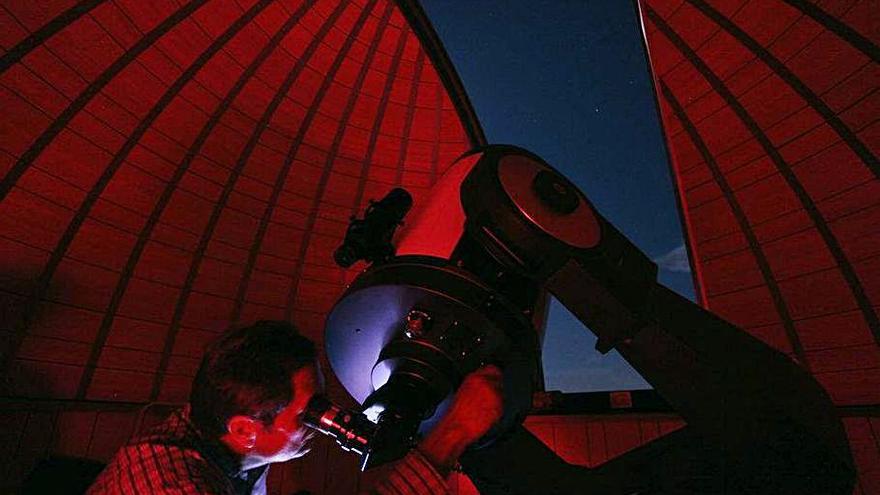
770,111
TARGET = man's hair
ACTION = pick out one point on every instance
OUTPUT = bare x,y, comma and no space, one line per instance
247,372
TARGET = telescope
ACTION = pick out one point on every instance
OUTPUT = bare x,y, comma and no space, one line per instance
465,284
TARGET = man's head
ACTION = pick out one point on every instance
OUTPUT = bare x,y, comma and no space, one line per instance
251,389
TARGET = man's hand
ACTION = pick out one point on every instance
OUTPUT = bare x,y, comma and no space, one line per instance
476,407
478,403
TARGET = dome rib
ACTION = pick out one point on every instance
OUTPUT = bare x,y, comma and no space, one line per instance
184,167
699,98
287,168
819,222
85,97
241,162
842,30
742,220
37,38
410,113
313,209
82,213
373,141
812,99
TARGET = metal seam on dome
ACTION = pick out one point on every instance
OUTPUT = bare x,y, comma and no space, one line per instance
41,35
170,186
304,125
410,113
438,122
783,144
789,278
207,233
380,117
754,180
696,99
334,147
748,64
60,122
91,199
787,235
702,43
374,131
244,282
795,83
816,217
346,114
742,220
842,30
432,45
769,44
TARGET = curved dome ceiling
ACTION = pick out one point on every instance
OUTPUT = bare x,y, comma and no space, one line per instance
171,168
772,120
771,111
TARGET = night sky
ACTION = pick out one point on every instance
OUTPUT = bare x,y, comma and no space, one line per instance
568,80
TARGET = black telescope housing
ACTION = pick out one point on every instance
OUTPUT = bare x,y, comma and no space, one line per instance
369,238
406,333
462,289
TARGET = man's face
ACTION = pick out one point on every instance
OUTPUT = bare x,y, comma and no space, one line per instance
288,437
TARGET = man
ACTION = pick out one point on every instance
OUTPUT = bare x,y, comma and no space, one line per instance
245,412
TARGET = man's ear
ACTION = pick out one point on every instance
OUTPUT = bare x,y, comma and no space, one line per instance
241,432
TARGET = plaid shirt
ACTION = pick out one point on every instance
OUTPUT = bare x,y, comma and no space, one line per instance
175,459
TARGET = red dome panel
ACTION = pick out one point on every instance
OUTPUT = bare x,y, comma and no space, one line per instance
172,169
769,111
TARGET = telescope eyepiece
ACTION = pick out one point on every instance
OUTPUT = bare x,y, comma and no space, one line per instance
351,430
